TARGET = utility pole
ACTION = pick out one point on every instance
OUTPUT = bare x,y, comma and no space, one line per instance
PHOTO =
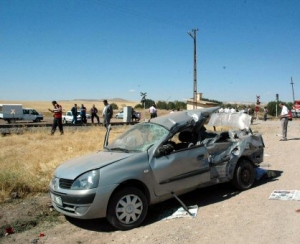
292,83
193,35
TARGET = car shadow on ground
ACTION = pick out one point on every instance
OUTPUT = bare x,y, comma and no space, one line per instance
200,197
293,139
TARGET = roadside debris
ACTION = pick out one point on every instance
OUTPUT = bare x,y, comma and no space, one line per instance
10,230
285,195
179,213
261,174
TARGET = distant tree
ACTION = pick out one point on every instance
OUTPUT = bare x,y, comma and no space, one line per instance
161,105
214,101
114,106
139,106
171,105
290,105
148,103
180,105
271,106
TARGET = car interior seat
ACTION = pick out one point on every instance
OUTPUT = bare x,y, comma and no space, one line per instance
186,139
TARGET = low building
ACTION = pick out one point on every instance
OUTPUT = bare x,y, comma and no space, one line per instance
200,103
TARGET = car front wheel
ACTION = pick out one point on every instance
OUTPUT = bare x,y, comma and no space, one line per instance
64,121
244,175
127,208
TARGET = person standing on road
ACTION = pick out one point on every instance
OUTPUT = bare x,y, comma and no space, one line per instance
74,113
107,113
57,118
153,111
284,121
250,111
94,114
83,114
265,113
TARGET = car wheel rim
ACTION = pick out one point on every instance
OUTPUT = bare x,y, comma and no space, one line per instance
129,209
246,175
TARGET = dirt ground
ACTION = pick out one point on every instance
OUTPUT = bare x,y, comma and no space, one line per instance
224,215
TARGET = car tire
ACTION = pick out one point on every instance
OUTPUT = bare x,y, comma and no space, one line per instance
244,175
64,121
127,208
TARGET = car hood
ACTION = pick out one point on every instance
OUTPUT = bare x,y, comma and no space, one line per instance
175,120
72,168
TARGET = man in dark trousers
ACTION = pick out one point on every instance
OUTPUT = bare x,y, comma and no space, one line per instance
57,118
83,114
94,114
74,113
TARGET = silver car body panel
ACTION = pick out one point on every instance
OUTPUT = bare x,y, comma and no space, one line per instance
72,168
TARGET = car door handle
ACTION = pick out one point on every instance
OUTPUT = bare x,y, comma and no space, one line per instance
200,157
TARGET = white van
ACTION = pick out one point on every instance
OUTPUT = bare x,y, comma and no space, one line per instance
13,112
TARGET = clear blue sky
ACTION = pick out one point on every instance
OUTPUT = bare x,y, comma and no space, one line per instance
96,49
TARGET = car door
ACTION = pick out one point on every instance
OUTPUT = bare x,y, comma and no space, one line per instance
26,115
180,170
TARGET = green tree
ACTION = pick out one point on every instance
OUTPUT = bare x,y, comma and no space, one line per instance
290,105
171,105
139,106
271,106
161,105
148,103
114,106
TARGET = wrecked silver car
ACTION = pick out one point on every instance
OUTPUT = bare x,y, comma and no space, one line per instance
155,161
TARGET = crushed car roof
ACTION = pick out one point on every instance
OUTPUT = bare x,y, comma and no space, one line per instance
184,118
236,120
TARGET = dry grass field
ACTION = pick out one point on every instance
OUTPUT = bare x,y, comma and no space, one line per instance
28,159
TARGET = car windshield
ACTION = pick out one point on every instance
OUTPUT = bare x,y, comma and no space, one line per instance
139,137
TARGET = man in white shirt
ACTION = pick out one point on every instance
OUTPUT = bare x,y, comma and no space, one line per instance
107,113
284,120
153,111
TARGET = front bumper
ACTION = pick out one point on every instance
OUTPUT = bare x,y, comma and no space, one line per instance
82,204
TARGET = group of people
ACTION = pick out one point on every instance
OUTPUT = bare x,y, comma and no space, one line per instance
57,115
108,114
94,114
283,116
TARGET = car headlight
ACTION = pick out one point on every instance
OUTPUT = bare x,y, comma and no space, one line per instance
86,181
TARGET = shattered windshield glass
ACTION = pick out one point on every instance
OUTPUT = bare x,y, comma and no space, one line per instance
138,138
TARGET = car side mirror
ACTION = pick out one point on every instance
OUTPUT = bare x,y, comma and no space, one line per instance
164,150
